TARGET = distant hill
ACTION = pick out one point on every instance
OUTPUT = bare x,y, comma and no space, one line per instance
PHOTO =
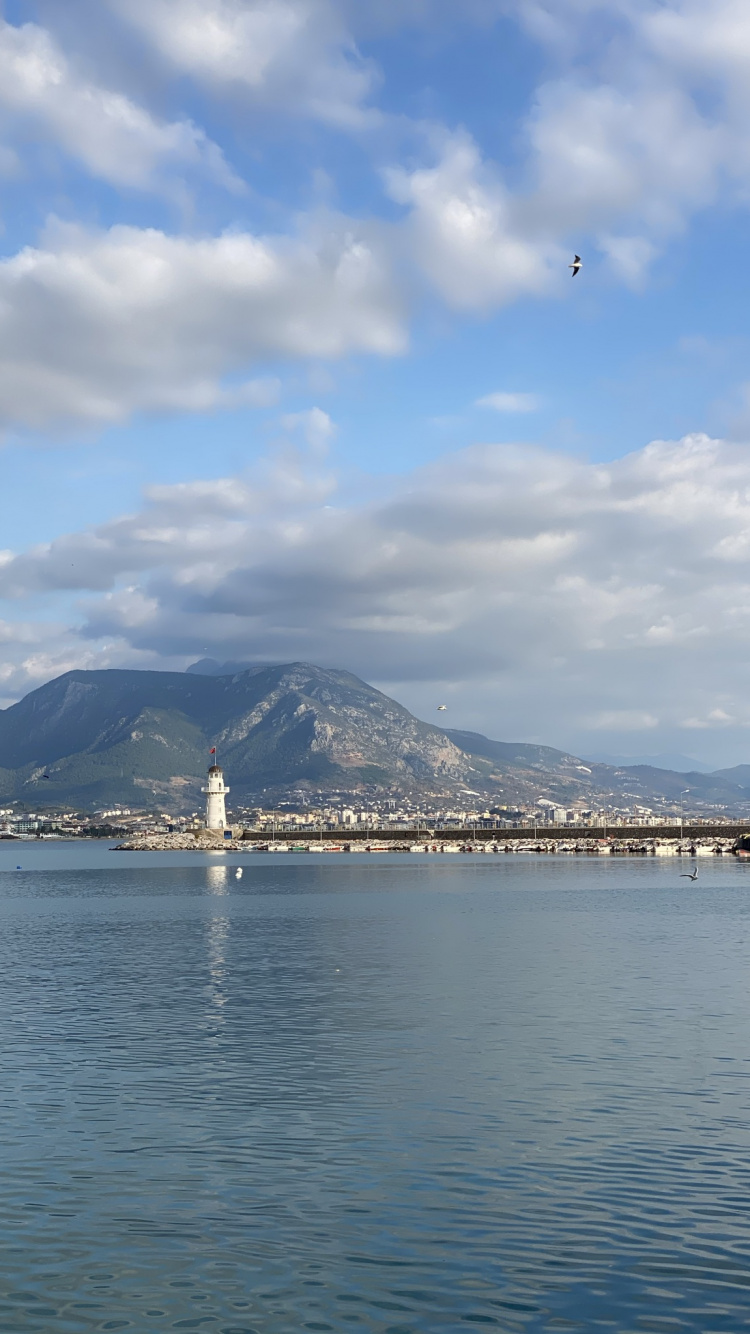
672,760
95,739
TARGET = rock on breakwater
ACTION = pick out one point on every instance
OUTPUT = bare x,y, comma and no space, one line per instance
609,846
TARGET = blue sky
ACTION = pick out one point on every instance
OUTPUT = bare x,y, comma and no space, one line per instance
293,364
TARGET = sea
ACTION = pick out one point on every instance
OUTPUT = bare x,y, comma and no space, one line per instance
391,1095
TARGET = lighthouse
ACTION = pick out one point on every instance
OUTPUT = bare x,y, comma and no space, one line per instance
216,815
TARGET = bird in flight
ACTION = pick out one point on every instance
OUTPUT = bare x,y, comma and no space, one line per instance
685,875
442,708
575,266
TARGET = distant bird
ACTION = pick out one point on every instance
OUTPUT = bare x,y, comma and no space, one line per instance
442,708
238,873
685,875
47,777
576,265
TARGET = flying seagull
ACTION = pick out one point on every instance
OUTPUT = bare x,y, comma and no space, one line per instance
685,875
575,266
442,708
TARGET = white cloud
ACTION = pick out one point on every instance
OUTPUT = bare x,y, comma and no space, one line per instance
156,322
552,596
619,168
647,121
294,55
620,149
643,124
602,153
316,427
464,230
707,37
114,138
506,402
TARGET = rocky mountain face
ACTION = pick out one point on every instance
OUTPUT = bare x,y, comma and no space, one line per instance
96,739
142,738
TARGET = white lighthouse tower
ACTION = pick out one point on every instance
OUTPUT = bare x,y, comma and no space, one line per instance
216,815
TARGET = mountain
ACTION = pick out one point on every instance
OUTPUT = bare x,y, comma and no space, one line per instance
739,774
672,760
555,775
142,738
95,739
210,667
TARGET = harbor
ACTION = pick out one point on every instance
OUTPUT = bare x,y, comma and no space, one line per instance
219,835
626,842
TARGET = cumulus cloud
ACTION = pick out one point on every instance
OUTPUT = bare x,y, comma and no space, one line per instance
467,232
546,596
646,122
623,167
316,426
642,153
96,325
638,129
114,138
294,55
642,124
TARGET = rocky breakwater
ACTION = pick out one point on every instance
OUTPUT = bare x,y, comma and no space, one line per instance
653,847
202,842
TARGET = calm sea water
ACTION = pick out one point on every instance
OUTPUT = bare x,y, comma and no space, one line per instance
381,1094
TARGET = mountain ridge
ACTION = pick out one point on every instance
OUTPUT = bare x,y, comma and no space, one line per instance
94,736
120,736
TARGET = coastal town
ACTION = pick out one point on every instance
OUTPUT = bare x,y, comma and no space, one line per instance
388,825
117,822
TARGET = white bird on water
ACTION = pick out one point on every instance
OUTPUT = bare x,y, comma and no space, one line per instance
238,873
685,875
576,265
442,708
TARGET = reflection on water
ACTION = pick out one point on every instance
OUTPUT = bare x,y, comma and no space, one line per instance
400,1097
217,931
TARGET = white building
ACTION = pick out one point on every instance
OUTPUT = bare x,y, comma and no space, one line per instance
216,815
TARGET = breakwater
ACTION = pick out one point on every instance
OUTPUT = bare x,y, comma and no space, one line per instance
622,844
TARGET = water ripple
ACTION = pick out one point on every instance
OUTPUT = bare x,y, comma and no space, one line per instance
403,1098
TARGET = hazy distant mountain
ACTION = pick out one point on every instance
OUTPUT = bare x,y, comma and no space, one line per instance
530,771
739,774
669,760
210,667
95,739
644,782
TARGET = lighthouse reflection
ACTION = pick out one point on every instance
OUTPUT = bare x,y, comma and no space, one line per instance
217,932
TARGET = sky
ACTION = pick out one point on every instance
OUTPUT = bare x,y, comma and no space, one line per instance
293,366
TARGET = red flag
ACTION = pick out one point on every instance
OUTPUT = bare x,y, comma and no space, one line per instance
212,750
